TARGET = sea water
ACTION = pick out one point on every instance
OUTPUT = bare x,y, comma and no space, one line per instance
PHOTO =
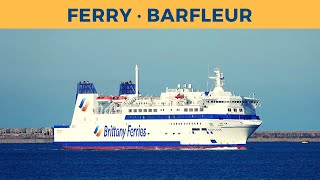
258,161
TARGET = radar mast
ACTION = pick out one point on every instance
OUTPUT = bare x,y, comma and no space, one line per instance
218,79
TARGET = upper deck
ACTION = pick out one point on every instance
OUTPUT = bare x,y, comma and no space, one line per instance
183,99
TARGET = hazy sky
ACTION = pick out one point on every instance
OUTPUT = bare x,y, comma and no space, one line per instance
39,69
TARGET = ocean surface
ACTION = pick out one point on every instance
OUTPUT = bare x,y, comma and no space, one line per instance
258,161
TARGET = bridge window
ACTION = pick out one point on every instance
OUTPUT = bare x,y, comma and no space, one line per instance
140,110
135,110
196,109
154,110
185,109
130,110
190,109
150,110
144,110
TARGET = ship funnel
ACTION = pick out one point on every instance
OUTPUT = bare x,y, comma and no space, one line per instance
137,81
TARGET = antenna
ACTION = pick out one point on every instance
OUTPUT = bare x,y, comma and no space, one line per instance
208,78
137,81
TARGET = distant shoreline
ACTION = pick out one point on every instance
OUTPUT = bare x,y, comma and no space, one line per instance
45,135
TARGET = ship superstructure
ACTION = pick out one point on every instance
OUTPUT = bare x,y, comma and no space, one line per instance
180,118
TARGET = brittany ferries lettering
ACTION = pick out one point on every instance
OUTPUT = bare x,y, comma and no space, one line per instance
122,132
180,118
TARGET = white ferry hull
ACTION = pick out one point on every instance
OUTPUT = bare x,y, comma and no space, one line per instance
159,135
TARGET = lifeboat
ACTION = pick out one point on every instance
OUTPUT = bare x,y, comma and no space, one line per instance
179,96
111,98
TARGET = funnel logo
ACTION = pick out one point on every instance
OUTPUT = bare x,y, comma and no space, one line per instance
84,104
97,131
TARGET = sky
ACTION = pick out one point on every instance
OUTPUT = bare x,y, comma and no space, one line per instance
39,70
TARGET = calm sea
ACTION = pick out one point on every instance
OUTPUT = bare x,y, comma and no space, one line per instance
259,161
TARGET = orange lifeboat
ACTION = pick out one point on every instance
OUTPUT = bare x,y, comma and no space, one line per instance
179,96
122,98
111,98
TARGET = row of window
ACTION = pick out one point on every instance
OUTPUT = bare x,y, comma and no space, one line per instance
192,116
188,123
185,110
232,102
156,110
173,133
235,110
224,101
144,110
193,109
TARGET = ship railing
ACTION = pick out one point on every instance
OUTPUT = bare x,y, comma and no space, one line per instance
129,101
149,98
113,111
158,104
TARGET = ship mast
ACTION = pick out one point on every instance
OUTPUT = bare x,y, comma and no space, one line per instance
137,81
218,79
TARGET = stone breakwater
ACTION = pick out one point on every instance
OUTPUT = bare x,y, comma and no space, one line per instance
45,135
26,135
285,136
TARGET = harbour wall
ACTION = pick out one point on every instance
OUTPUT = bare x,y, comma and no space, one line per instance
45,135
26,135
285,136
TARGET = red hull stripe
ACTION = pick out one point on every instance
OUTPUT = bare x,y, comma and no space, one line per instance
148,147
142,145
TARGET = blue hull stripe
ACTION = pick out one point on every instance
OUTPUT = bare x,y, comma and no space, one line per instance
137,143
192,116
61,126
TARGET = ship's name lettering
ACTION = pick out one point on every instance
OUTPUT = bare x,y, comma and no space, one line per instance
115,15
130,131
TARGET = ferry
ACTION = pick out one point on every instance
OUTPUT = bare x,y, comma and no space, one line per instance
179,119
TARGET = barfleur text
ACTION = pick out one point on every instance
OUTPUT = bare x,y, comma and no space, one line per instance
166,15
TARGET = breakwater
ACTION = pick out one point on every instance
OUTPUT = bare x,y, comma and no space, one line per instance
26,135
45,135
285,136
